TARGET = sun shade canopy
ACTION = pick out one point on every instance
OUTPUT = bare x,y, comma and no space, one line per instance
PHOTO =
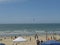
19,39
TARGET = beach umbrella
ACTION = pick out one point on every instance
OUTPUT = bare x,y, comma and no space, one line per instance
20,39
51,42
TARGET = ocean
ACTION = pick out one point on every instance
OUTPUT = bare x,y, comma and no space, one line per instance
29,29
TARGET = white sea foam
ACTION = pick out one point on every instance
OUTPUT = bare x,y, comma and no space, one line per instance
25,32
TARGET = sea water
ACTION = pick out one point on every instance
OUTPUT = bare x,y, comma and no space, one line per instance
28,29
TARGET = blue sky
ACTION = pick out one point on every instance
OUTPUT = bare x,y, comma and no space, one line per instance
29,11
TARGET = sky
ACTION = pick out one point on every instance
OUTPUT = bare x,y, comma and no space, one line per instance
29,11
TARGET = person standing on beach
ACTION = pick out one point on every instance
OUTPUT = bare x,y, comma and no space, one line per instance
36,36
30,38
51,37
15,37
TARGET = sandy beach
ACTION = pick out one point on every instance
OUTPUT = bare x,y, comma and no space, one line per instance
9,41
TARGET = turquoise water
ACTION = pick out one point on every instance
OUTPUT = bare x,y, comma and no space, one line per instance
28,28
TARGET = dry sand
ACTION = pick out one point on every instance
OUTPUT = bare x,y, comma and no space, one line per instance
9,41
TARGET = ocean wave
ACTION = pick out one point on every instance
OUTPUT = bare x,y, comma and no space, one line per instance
25,32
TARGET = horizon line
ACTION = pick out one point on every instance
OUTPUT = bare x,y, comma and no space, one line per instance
29,23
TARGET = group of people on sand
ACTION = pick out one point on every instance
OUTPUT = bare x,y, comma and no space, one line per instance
38,42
